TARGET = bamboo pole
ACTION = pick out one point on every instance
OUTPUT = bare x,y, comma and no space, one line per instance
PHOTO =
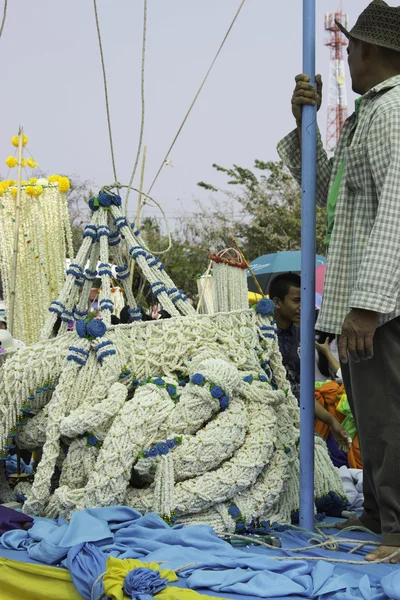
139,206
249,268
14,261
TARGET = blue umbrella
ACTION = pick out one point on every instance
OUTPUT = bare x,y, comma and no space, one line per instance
266,267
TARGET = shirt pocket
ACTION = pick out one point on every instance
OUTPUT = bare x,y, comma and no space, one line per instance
356,167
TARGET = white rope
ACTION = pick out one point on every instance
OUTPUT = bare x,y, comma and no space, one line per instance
4,17
196,96
105,90
143,107
119,186
100,577
330,544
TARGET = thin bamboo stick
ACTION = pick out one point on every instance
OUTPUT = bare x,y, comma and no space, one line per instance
14,261
248,266
139,207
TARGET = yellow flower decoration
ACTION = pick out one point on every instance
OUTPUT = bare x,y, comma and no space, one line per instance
23,162
23,182
54,178
13,191
15,140
33,180
64,184
9,182
11,162
31,163
34,190
30,190
2,188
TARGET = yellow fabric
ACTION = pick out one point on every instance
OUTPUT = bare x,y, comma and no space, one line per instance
253,297
117,570
26,581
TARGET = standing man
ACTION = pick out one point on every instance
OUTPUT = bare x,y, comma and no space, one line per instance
361,188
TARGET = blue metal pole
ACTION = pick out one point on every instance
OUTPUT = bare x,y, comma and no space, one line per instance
307,374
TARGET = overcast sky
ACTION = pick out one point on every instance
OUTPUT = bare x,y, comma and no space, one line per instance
52,85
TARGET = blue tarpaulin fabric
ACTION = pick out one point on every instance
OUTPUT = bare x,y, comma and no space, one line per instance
212,565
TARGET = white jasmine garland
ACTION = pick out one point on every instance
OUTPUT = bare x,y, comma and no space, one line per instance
44,240
210,427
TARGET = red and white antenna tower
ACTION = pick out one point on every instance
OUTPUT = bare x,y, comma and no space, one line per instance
337,107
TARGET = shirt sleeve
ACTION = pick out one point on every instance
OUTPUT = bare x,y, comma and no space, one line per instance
289,151
378,282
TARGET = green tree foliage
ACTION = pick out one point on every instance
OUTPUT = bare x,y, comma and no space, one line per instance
268,205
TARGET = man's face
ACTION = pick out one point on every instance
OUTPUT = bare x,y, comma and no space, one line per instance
289,308
356,65
3,325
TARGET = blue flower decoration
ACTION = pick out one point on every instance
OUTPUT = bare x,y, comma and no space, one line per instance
234,511
224,402
92,440
117,200
105,199
217,392
240,527
153,451
171,444
162,448
197,379
263,378
93,207
248,378
146,454
159,381
265,307
96,328
80,328
171,389
143,583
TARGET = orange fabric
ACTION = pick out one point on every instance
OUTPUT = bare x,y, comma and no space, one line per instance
354,456
328,395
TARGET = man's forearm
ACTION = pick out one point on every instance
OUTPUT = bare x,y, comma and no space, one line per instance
322,414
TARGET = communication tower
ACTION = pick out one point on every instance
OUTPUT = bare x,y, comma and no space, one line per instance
337,106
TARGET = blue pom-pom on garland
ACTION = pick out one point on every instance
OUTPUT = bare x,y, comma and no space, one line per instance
105,199
96,328
197,379
217,392
162,448
265,307
92,440
234,511
224,402
80,326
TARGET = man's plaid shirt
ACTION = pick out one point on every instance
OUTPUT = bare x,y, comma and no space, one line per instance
363,266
